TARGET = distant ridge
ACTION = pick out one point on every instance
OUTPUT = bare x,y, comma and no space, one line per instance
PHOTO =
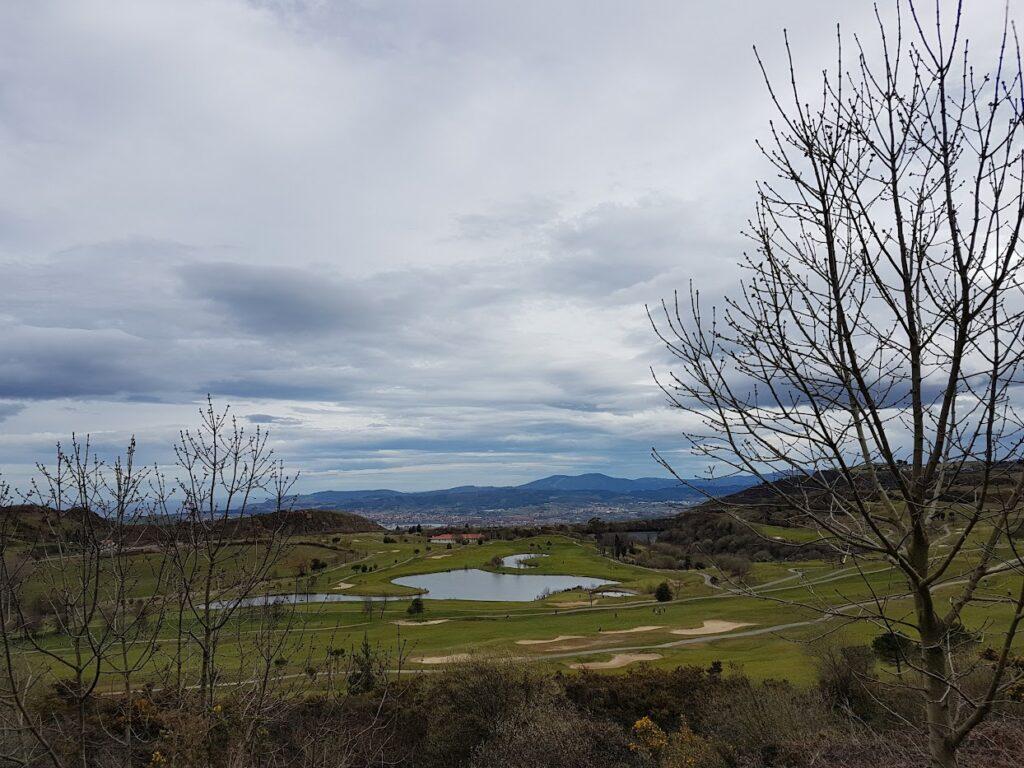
595,481
589,488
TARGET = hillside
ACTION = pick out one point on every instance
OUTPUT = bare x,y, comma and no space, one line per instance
595,481
313,521
33,523
577,490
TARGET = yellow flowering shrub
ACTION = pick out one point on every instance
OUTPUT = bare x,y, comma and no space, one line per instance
647,737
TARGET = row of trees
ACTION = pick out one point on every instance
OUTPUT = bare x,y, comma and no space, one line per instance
117,578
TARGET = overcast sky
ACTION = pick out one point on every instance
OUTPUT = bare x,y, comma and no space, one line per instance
413,239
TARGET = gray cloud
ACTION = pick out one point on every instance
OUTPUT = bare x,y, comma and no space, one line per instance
277,300
266,418
41,363
10,409
414,240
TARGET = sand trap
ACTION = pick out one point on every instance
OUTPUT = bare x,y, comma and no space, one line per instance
573,604
450,659
712,627
647,628
438,557
343,585
558,639
617,661
405,623
395,550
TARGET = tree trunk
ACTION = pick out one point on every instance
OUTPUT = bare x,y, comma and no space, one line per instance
935,665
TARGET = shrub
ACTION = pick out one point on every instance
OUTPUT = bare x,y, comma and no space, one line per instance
647,737
736,566
893,647
415,607
368,669
551,733
663,593
685,749
843,672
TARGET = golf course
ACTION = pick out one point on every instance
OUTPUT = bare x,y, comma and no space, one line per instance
762,624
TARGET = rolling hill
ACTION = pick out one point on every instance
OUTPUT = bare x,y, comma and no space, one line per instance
586,489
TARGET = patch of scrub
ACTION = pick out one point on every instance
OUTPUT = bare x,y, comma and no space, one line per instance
617,661
404,623
449,659
712,627
558,639
645,628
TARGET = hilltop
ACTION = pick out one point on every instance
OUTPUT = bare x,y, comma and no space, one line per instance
548,497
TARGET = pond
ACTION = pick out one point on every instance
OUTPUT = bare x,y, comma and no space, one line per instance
465,584
295,599
473,584
519,561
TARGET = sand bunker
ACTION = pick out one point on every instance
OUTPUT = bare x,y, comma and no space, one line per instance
712,627
617,661
343,585
558,639
572,604
646,628
438,557
449,659
404,623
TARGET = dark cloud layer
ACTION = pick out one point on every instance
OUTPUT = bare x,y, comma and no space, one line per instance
414,241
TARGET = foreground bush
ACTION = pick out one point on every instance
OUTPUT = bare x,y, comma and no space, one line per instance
486,714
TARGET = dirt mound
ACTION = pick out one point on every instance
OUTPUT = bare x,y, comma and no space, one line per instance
711,627
645,628
409,623
558,639
449,659
617,661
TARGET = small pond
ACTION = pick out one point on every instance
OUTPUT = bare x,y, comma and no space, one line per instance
463,584
297,599
473,584
519,561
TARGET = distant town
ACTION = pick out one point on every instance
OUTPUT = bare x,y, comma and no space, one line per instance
552,500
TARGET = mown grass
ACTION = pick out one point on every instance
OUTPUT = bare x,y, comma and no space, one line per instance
787,598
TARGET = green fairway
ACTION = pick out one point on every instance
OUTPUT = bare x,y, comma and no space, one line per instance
569,630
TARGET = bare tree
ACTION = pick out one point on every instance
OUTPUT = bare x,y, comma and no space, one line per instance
867,368
73,578
219,561
24,733
76,578
134,604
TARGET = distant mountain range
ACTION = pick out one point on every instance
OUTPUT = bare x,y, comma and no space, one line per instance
588,489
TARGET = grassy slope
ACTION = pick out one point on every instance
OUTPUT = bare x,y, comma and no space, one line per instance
494,627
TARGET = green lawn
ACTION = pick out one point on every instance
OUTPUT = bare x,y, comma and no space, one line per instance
764,636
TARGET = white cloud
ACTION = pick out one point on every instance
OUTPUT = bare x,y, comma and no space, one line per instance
414,239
